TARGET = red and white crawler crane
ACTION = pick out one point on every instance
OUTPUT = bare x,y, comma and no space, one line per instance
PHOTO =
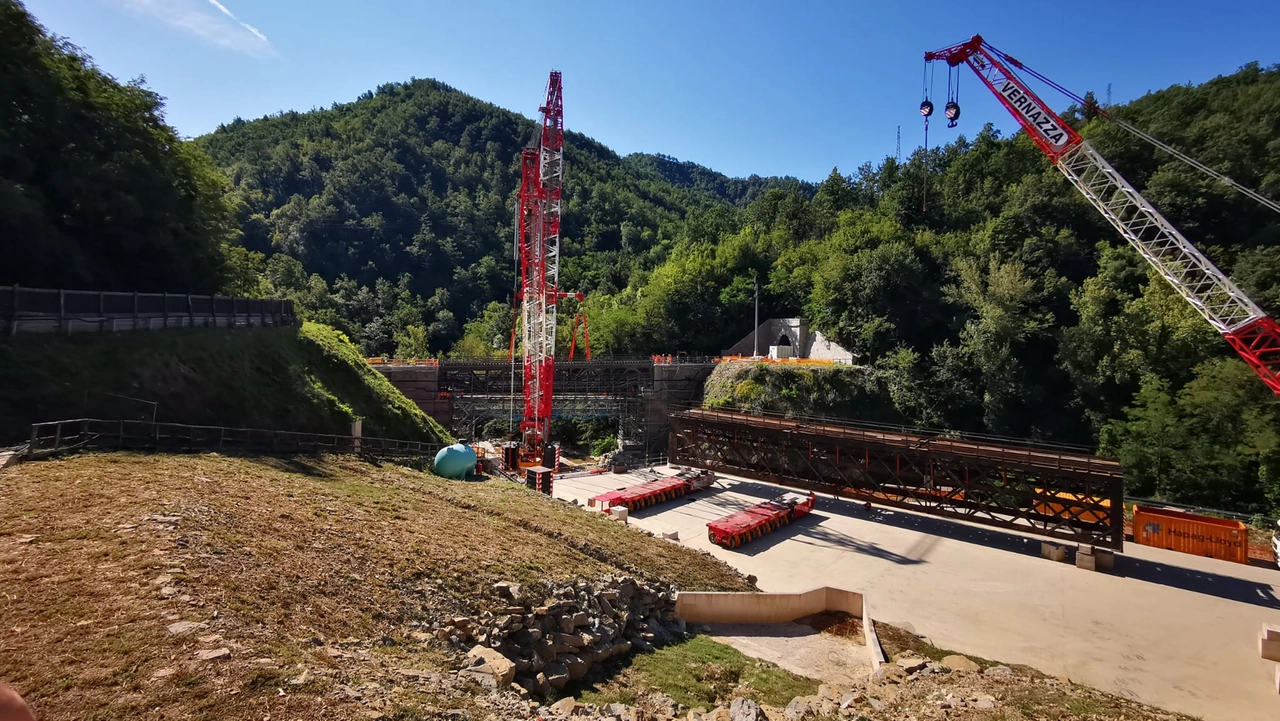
1253,334
538,241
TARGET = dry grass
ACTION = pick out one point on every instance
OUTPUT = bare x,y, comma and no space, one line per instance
838,624
331,565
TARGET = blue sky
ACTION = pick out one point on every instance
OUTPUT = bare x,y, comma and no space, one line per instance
742,87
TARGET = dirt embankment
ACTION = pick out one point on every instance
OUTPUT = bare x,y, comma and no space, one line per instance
306,588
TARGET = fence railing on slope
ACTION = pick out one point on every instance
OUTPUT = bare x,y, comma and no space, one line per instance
89,433
43,310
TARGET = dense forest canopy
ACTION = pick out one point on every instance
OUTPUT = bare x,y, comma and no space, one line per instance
398,206
96,191
1004,304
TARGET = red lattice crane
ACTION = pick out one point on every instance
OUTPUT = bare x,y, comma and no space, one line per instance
1253,334
538,240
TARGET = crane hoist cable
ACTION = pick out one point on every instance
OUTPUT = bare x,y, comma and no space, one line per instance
926,110
1141,134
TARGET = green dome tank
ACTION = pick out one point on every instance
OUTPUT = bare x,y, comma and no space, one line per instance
456,461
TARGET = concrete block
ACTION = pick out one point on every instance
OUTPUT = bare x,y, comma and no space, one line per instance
1086,561
1053,551
1105,559
1271,632
1269,650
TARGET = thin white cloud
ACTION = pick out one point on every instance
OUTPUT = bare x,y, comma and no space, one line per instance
195,17
243,24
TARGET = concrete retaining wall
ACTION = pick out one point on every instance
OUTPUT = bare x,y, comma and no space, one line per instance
711,607
716,607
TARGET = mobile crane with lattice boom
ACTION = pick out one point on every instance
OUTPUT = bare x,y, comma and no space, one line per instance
1249,330
537,229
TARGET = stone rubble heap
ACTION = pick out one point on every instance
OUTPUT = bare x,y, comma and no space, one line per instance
946,690
540,648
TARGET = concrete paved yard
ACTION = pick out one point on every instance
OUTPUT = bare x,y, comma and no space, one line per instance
798,649
1165,628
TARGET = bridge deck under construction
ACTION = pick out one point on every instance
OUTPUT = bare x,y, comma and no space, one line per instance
1058,493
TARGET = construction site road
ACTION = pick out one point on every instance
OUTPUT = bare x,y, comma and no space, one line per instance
1164,628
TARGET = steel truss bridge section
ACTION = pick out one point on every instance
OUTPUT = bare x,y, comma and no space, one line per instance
1047,492
493,377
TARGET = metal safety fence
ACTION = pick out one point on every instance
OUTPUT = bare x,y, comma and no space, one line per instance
43,310
56,437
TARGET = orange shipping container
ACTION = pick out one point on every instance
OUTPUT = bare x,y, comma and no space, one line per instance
1190,533
1060,509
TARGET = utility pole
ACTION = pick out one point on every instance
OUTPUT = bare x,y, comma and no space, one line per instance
755,279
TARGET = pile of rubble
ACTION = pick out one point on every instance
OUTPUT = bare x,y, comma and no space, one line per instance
621,459
540,648
909,688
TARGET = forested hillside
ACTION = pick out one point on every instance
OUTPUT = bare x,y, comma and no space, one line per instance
96,191
390,216
1004,304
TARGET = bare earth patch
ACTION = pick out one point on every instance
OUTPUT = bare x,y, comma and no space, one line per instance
307,588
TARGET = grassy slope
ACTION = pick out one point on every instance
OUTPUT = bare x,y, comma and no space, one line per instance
271,553
824,390
700,672
305,379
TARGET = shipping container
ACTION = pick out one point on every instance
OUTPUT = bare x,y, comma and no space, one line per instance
1073,501
1190,533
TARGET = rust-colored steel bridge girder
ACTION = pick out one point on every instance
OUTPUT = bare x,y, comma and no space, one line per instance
1042,491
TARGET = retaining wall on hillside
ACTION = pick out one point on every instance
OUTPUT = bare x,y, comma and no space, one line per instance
718,607
713,607
42,310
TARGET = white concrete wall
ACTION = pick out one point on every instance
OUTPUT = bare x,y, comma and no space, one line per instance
723,607
822,348
714,607
805,343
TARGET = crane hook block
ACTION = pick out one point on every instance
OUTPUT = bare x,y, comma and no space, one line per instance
926,108
952,111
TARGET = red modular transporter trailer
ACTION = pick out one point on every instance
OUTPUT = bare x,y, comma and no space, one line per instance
751,523
653,492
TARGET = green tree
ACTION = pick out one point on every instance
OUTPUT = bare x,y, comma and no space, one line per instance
96,191
834,196
1004,317
858,299
1127,331
488,336
413,343
1216,442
